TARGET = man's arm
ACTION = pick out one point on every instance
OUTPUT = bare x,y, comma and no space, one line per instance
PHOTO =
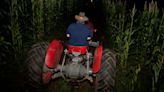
68,31
90,35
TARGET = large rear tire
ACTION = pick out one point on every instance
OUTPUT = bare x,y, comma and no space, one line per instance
34,64
107,74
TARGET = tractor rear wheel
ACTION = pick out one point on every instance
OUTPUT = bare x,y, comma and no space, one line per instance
106,76
34,64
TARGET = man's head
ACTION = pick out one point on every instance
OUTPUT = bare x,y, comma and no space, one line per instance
81,18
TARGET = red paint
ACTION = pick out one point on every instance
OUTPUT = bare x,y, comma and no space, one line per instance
54,52
81,49
97,59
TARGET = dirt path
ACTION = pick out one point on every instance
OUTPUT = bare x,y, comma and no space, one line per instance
62,86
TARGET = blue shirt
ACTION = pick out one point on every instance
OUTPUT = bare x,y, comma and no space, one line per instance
78,34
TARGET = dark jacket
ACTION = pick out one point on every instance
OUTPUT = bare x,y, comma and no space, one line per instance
78,34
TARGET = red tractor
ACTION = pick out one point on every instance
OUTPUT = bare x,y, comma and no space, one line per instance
74,64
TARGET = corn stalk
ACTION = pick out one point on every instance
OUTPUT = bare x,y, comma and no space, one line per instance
37,19
122,28
149,37
14,26
70,6
121,32
137,36
159,53
53,10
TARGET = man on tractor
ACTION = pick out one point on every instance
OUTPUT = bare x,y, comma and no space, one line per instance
78,33
81,32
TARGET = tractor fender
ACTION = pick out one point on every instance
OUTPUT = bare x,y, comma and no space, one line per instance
97,59
54,53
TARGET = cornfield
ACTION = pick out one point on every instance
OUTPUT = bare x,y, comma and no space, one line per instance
137,38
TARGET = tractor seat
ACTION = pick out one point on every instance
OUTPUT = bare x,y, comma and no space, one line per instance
81,49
